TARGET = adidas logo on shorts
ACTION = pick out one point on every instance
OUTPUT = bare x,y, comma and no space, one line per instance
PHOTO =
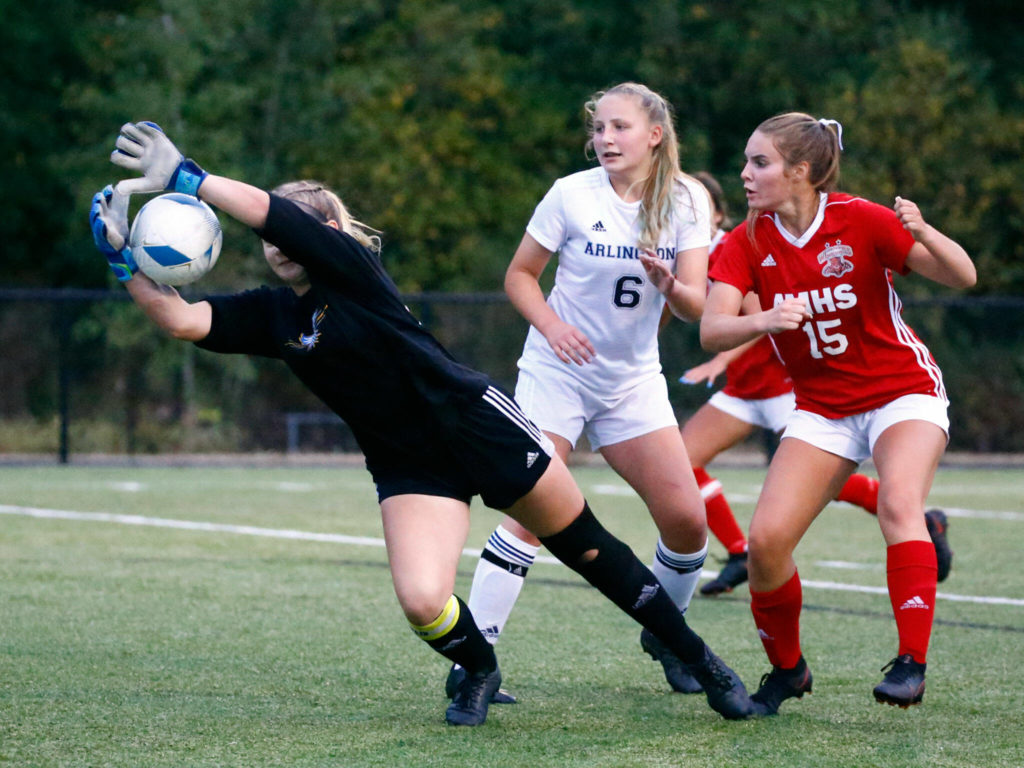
531,457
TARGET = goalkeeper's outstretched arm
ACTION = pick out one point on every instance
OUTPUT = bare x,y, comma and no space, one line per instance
108,219
241,201
169,311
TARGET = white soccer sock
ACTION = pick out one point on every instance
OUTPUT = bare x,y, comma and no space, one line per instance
678,573
498,579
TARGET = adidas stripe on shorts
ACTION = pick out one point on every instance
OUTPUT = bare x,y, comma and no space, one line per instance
493,451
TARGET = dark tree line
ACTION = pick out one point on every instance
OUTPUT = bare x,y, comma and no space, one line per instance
443,122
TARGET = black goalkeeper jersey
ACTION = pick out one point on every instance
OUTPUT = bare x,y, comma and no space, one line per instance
351,340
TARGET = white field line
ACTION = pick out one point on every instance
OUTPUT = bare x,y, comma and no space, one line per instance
610,489
983,514
367,541
848,566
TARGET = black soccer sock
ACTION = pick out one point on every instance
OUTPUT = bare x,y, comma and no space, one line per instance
455,636
608,564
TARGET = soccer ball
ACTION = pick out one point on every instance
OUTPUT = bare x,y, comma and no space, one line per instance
175,239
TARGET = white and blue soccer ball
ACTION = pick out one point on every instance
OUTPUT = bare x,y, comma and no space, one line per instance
175,239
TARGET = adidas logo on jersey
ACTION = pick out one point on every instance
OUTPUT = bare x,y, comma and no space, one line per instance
531,457
914,602
769,261
598,227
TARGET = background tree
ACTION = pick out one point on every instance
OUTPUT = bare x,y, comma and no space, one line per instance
443,122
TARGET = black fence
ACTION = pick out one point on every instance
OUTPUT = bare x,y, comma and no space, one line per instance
84,372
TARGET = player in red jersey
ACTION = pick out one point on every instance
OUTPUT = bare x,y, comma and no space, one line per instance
758,393
821,263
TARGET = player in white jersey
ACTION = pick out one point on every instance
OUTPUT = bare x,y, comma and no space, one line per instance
822,264
631,236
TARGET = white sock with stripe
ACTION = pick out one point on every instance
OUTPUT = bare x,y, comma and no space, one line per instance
678,573
498,579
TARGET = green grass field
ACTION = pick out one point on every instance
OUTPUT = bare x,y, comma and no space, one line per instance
183,617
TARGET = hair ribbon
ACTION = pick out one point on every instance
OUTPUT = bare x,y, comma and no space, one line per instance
839,129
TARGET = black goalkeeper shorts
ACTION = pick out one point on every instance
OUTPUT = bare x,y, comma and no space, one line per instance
492,450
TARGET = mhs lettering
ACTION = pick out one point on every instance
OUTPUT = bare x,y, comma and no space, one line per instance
819,302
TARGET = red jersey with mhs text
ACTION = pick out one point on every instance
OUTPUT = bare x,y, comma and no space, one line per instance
856,353
758,373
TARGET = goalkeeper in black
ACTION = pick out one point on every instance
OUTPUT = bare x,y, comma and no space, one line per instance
434,432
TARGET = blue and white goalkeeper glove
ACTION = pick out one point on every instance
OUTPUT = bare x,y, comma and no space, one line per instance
108,219
143,147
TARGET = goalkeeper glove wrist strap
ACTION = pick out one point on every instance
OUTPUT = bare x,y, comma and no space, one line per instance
187,178
125,268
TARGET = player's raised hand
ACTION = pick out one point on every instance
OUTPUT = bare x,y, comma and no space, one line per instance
658,272
144,148
911,218
108,220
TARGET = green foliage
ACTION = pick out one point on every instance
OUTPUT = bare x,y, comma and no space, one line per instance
935,137
443,122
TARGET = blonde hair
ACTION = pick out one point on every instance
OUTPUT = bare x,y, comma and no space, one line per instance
323,199
801,138
661,188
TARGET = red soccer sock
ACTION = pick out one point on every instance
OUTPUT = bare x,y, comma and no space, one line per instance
862,491
777,617
912,576
721,520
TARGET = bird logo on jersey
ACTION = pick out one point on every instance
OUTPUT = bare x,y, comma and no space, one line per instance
836,259
309,340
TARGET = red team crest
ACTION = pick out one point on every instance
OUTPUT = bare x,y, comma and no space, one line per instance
836,259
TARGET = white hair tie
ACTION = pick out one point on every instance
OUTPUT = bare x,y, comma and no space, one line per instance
839,129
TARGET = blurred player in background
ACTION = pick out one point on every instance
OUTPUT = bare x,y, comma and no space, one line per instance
758,393
434,432
631,236
821,265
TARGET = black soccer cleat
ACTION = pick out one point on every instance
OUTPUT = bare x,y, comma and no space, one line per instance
457,674
937,526
473,696
679,679
725,691
733,573
781,684
903,684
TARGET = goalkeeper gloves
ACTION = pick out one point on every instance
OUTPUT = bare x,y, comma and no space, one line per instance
145,148
108,219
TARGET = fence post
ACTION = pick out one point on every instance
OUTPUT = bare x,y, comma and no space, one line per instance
63,377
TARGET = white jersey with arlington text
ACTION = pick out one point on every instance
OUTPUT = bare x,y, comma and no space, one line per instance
600,285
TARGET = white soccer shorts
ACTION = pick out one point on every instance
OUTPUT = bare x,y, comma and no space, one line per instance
853,437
